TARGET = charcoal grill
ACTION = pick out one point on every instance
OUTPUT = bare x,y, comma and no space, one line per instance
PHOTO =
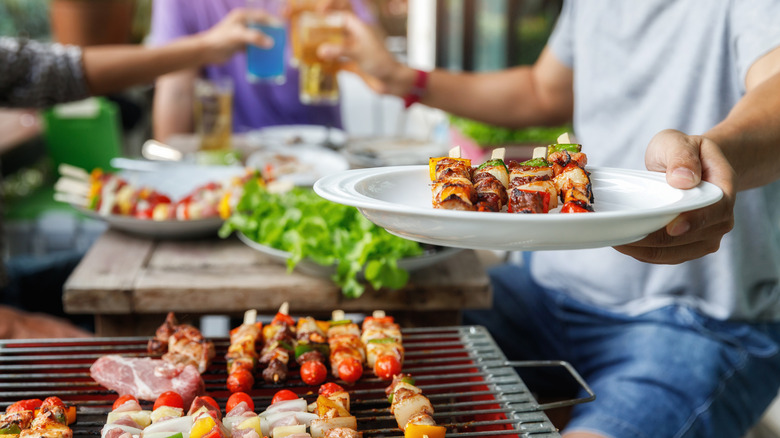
475,391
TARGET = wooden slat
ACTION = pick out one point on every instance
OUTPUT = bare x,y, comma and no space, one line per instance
102,281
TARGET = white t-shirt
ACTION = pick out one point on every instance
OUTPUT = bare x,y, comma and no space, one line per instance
641,67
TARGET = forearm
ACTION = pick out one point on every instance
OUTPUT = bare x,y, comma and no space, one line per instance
172,112
750,135
113,68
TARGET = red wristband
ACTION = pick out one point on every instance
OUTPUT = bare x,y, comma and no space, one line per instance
417,91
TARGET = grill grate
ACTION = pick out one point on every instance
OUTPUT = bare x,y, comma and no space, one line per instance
474,390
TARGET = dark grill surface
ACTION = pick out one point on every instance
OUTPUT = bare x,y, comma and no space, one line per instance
474,390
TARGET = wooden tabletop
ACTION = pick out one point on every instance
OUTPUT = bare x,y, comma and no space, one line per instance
129,283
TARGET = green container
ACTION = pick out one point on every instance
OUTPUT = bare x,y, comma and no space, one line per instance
84,134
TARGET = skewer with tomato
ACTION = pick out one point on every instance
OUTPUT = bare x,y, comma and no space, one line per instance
452,187
51,420
347,352
18,416
384,350
279,344
286,416
412,410
334,419
311,350
242,353
491,180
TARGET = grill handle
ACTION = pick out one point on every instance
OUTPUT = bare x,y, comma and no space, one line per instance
557,363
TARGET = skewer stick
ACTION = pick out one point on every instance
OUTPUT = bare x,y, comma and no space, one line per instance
71,198
250,317
70,185
378,314
498,154
540,152
455,152
73,172
566,138
337,315
284,309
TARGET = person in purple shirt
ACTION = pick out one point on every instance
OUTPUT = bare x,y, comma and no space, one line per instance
255,105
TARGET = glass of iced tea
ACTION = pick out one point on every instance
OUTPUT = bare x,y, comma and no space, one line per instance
268,64
318,78
213,113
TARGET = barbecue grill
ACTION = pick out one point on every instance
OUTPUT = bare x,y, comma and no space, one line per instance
475,391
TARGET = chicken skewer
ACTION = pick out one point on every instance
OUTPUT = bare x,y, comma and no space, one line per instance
491,180
412,410
312,350
182,344
452,188
51,421
571,179
382,339
242,353
279,338
334,419
347,352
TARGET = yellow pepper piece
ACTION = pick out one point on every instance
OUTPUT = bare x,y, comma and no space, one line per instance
432,165
424,430
202,427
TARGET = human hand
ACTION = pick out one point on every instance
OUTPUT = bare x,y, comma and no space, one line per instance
232,34
687,160
368,58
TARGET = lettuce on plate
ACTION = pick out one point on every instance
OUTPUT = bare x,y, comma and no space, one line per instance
308,226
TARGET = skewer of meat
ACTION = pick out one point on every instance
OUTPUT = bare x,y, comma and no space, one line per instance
51,421
312,350
287,416
18,416
347,352
382,339
571,179
412,410
242,353
531,189
182,344
334,419
452,188
491,180
279,344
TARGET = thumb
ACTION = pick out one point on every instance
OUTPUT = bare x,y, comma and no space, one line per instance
678,155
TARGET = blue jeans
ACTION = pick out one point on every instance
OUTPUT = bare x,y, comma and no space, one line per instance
671,372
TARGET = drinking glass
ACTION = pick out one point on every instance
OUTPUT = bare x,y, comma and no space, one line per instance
213,113
296,8
318,78
268,64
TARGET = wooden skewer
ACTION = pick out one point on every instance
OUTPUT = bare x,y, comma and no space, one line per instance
455,152
250,316
540,152
73,172
566,138
70,185
337,315
378,314
498,154
284,309
71,198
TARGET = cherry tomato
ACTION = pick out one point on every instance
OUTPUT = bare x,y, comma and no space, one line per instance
350,370
240,380
284,394
169,398
386,367
53,401
329,388
313,372
238,397
24,405
210,401
121,400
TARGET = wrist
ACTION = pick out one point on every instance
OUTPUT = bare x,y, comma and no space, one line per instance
416,92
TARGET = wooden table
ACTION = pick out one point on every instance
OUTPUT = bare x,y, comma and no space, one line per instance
129,283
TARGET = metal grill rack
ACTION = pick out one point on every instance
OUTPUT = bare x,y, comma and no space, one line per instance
474,390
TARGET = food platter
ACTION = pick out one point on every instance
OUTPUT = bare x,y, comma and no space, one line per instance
175,180
629,204
301,165
289,135
309,267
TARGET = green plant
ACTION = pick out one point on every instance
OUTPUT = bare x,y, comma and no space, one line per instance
488,135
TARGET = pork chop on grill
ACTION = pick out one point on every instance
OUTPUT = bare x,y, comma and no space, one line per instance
147,378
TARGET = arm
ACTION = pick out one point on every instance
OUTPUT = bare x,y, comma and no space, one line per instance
172,112
112,68
737,154
541,94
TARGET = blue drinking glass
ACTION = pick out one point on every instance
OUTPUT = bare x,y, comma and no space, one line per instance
263,64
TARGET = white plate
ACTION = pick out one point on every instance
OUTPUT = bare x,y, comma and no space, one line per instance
300,165
309,267
175,180
629,205
290,135
392,151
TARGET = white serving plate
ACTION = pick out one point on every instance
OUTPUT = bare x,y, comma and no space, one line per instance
629,204
309,267
307,163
